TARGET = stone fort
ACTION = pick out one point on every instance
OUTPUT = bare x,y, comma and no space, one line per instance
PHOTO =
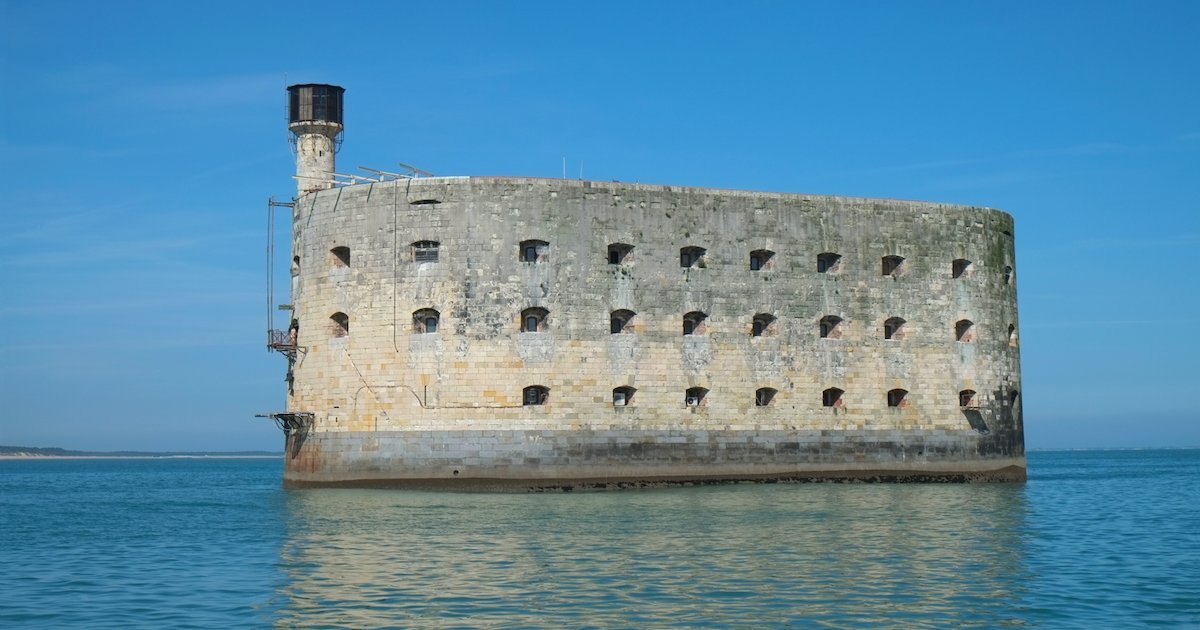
511,332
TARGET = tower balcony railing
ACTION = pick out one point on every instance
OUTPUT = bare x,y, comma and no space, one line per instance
282,340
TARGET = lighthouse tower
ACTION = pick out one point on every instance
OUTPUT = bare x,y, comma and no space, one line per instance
315,120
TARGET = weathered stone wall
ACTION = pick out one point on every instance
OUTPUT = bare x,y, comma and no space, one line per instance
384,380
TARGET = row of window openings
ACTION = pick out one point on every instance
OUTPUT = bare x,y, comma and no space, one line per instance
425,321
763,397
536,251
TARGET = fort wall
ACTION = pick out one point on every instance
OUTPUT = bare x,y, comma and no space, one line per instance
856,366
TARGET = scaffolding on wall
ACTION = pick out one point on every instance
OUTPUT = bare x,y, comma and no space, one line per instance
282,341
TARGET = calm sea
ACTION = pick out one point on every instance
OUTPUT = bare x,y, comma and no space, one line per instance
1095,540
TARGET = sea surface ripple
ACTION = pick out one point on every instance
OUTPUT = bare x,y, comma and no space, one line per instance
1094,539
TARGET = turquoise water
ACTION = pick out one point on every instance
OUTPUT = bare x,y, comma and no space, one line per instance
1094,539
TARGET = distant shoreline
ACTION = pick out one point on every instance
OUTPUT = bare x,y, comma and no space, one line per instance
8,452
33,456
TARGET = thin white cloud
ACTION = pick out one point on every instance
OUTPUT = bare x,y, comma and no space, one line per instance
129,304
97,86
1076,323
26,153
1096,148
1145,243
1092,148
93,251
986,180
210,92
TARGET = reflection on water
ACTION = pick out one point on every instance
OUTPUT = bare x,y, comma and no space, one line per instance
1094,540
841,555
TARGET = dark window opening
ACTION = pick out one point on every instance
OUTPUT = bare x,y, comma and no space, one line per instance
828,262
966,399
425,251
693,323
831,327
534,251
694,397
340,324
425,202
832,397
692,257
960,267
763,396
620,322
295,265
618,253
534,319
341,256
1008,274
897,398
534,395
964,331
892,265
893,328
1012,397
762,325
425,321
760,259
623,396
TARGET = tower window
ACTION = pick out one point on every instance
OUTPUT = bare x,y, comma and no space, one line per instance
693,323
760,259
694,397
892,265
425,251
1008,274
341,256
964,331
764,396
534,319
620,322
828,262
618,253
832,397
960,267
692,257
623,396
425,202
762,325
893,328
966,399
534,395
425,321
339,324
1012,335
831,327
897,398
534,251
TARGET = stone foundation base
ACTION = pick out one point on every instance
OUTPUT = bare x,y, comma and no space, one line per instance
606,459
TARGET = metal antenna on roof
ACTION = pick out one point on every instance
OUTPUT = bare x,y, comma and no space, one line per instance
383,174
416,172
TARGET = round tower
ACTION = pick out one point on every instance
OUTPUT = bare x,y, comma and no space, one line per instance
315,120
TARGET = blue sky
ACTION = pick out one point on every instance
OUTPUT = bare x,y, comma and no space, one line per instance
143,139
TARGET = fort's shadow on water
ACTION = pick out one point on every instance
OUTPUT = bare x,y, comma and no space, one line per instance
846,555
